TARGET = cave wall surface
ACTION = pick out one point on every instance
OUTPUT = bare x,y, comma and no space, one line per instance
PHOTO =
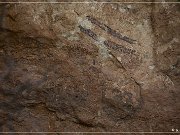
93,67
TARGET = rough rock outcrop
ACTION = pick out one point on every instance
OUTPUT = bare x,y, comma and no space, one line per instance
89,67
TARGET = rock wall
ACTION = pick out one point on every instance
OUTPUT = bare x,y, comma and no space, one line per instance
89,67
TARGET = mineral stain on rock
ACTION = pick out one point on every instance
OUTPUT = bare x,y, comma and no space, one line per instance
67,67
110,30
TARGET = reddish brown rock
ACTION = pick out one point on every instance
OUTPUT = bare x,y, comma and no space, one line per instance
61,72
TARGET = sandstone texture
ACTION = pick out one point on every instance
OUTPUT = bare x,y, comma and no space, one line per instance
89,67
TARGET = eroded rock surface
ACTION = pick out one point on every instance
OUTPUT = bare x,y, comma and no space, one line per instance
89,67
